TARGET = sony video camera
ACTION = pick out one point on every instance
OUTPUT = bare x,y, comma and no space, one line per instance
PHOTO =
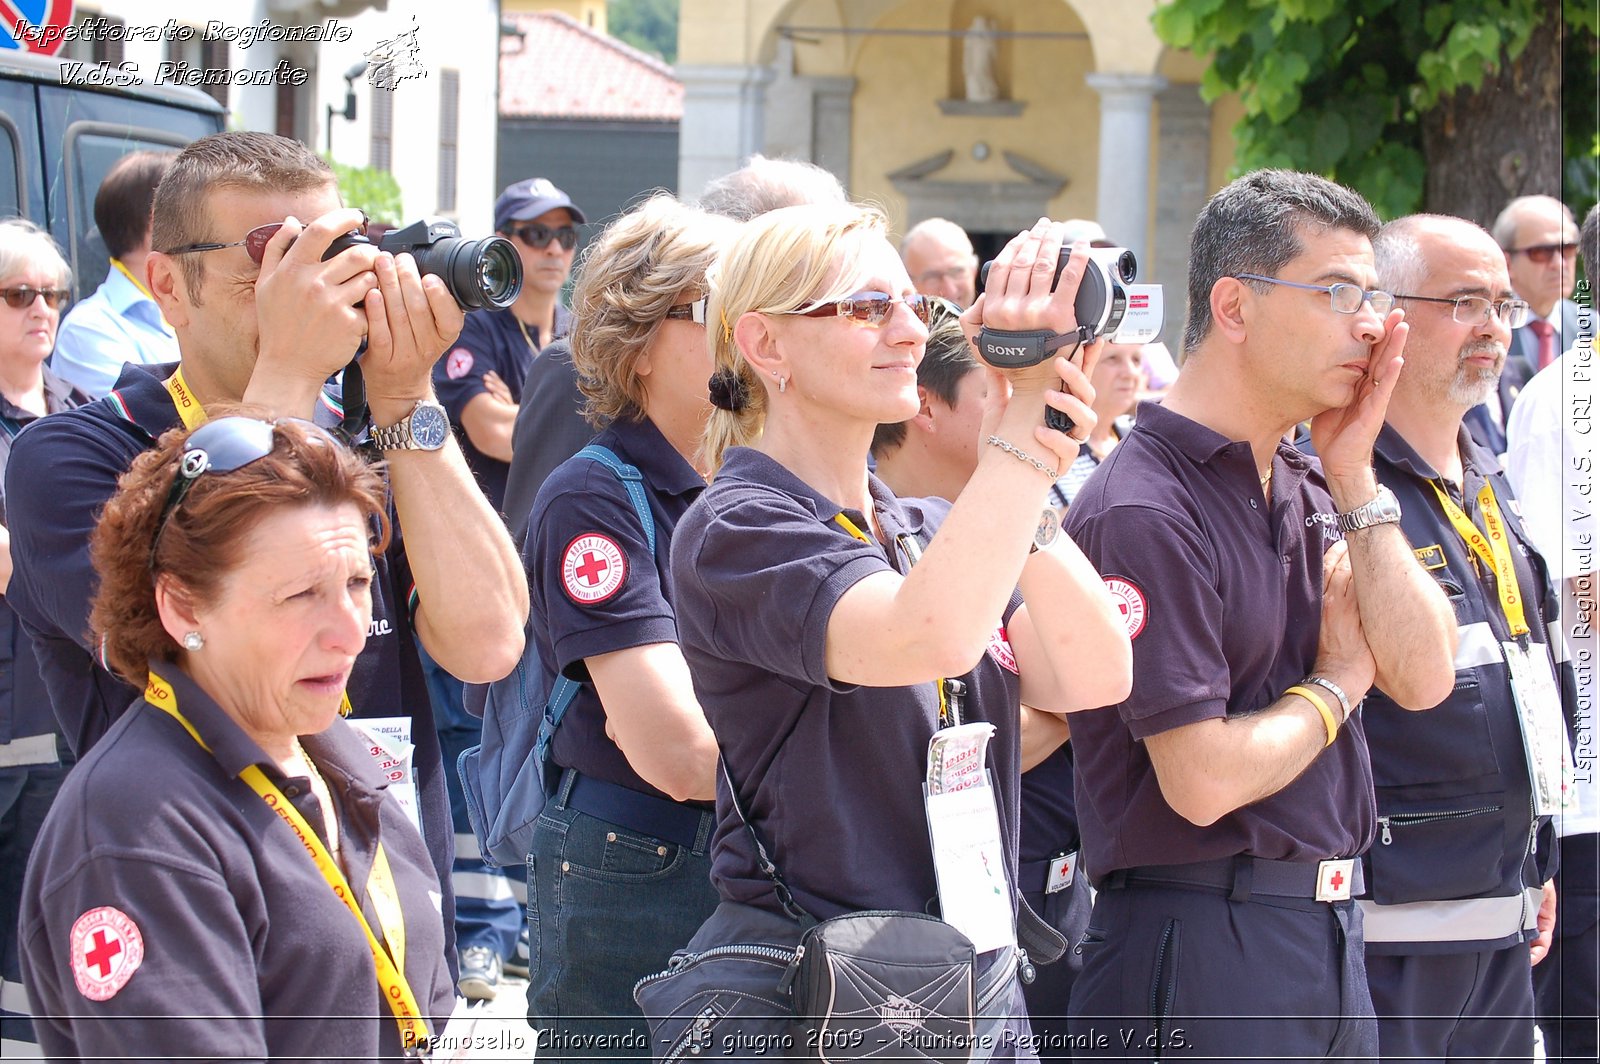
478,273
1108,304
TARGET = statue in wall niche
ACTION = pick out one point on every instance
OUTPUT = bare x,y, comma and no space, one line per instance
977,61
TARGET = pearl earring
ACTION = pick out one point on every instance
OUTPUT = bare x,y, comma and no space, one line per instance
193,641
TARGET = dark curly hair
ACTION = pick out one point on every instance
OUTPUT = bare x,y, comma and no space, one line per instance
204,537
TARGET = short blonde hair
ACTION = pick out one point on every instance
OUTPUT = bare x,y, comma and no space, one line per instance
627,282
23,244
788,260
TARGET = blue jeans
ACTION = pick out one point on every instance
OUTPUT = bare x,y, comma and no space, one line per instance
487,910
606,907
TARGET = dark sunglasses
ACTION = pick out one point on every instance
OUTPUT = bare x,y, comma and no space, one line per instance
23,295
219,446
254,242
872,308
538,235
1541,254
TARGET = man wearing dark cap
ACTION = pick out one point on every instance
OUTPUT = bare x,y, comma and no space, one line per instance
480,379
480,384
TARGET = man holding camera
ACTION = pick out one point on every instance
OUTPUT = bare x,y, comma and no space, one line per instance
1223,804
241,225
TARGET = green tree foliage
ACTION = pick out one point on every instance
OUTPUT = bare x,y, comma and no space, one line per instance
1361,90
649,25
374,191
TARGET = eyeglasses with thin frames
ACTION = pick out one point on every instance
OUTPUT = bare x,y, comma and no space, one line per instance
254,242
1344,298
1475,310
694,311
22,296
872,308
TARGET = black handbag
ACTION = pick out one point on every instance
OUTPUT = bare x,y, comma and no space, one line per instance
869,985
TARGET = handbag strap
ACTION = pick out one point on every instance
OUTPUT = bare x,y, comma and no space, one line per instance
791,908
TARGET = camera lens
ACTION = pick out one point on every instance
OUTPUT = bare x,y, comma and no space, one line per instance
498,272
1126,267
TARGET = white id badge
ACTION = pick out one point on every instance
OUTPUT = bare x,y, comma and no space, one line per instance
1544,733
1062,869
969,859
389,742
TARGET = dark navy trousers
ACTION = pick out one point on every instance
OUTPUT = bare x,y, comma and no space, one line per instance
1453,1006
1189,974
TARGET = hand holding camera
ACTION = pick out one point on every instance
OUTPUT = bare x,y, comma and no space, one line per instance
310,314
1105,304
1025,317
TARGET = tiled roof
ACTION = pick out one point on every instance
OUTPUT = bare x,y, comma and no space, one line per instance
563,69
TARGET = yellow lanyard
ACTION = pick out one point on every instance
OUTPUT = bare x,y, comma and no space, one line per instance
949,690
117,265
188,404
1494,550
380,884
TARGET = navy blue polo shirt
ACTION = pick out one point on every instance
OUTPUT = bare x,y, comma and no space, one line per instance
596,585
1223,599
63,470
167,907
491,341
24,703
831,772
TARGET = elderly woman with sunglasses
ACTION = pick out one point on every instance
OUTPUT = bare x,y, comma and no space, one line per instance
34,285
224,875
825,654
619,869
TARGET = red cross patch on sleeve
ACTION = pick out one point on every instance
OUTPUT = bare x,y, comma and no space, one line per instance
106,949
593,568
458,363
1130,603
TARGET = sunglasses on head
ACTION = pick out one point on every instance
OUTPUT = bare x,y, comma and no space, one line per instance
219,446
539,235
1541,254
873,308
254,242
23,295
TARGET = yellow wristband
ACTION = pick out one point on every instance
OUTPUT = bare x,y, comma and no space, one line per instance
1328,719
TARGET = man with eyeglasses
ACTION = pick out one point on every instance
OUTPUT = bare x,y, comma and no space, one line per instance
1551,460
938,256
241,223
1222,807
1458,882
1540,241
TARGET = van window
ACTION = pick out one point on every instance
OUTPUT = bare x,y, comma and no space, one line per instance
10,170
91,149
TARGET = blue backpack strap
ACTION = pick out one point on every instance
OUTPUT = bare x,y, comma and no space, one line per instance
633,480
565,690
561,696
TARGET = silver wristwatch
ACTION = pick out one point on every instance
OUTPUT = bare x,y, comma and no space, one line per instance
424,429
1384,509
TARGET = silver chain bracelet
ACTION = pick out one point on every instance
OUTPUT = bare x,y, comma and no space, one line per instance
1019,453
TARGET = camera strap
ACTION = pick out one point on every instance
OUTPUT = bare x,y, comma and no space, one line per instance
1007,349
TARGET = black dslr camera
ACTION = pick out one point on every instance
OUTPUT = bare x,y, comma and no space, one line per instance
478,273
1108,304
